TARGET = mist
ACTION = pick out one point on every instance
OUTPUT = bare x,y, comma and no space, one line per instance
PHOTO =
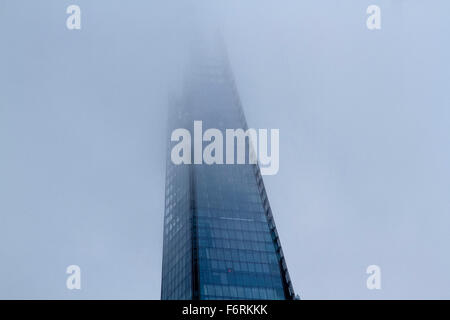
364,140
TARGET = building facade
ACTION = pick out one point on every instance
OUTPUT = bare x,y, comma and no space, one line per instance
220,239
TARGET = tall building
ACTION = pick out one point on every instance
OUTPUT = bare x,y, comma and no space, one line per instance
220,239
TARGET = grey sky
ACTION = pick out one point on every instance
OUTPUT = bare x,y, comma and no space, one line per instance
364,129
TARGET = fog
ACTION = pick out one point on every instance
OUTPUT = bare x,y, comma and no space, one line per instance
364,140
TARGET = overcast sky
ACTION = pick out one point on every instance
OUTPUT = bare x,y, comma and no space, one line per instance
364,119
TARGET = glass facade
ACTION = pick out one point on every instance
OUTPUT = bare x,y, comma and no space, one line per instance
220,240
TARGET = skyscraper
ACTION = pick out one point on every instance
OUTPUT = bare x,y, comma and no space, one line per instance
220,239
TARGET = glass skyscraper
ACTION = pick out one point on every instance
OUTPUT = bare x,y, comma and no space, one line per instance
220,239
